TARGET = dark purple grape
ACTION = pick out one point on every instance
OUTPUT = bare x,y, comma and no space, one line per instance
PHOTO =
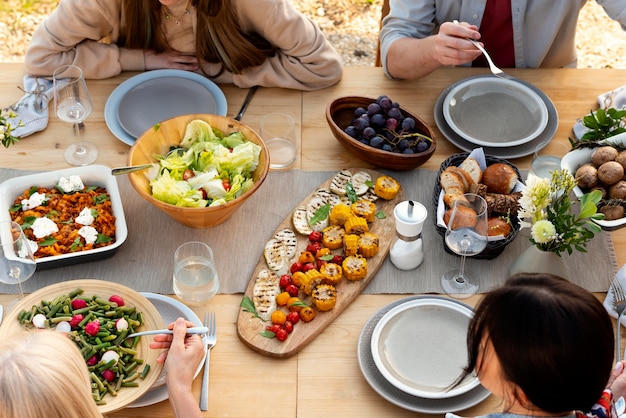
391,124
389,135
377,142
360,124
373,109
421,146
396,105
377,120
369,132
395,113
351,130
359,111
363,141
385,103
387,147
408,151
408,124
403,144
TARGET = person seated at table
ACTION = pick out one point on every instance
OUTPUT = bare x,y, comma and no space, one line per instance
545,346
419,36
245,42
43,374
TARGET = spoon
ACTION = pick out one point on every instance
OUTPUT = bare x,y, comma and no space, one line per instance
131,168
246,102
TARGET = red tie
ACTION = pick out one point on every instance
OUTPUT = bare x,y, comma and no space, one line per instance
496,30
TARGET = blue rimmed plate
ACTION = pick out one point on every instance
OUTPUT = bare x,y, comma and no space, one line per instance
151,97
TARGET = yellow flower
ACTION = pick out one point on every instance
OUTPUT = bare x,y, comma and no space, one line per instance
543,231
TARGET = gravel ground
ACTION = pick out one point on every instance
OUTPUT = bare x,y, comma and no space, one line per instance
351,26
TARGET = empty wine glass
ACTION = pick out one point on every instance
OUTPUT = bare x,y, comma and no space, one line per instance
17,263
72,103
466,235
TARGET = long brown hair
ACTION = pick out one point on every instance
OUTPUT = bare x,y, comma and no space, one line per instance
219,37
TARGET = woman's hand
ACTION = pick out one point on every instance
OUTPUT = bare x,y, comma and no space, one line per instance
617,381
170,60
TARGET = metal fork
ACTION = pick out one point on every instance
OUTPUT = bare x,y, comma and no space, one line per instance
493,67
619,304
211,340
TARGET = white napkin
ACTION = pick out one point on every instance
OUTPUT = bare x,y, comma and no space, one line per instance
608,301
31,111
615,98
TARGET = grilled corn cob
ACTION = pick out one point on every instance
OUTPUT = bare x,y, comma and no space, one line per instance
368,244
332,237
364,208
354,267
356,225
312,278
331,273
386,187
350,244
324,297
339,214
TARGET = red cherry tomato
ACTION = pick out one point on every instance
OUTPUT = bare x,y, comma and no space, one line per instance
288,326
293,317
285,280
314,247
292,289
337,259
281,335
295,267
187,174
308,266
226,185
273,328
315,236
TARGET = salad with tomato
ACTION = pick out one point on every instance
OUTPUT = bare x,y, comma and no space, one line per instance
211,169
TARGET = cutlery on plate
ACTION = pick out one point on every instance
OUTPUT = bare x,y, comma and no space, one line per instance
493,67
211,340
619,304
246,102
192,330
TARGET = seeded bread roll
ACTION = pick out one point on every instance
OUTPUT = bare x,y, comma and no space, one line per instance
499,178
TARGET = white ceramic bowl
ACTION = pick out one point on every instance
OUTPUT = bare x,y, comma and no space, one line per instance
575,158
495,112
91,175
420,347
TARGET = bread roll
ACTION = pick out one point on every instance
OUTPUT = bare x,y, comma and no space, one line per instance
471,166
450,180
498,226
499,178
610,172
465,217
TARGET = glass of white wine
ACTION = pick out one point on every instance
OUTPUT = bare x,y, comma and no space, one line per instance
17,263
466,235
72,104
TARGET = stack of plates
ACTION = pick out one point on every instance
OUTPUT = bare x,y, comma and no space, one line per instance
508,118
413,350
146,99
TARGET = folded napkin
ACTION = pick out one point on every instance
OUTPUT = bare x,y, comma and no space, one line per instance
615,98
31,111
620,277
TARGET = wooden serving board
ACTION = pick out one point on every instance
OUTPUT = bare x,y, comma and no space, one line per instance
250,327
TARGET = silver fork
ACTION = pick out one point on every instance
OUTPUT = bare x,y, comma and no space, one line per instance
211,340
493,67
619,304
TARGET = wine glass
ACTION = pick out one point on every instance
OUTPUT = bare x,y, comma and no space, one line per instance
72,103
17,263
466,235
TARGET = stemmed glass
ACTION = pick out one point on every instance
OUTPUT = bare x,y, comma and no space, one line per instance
72,103
466,235
17,263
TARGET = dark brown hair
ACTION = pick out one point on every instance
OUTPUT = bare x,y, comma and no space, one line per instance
553,339
219,38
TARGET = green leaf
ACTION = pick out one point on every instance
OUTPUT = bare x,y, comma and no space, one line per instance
381,215
48,241
267,334
101,238
248,306
320,214
350,193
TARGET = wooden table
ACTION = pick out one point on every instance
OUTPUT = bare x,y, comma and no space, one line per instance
324,378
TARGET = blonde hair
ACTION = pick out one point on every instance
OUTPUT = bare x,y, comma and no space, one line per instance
42,374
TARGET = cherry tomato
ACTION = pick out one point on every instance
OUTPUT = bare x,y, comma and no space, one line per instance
294,267
288,326
281,335
320,263
314,247
187,174
307,314
278,317
306,257
293,317
315,236
285,280
226,185
337,259
292,290
273,328
308,266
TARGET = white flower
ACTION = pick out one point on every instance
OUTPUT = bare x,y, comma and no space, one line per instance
543,231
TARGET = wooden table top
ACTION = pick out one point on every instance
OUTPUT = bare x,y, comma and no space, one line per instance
324,378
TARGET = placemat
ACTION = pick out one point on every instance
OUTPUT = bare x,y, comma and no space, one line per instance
145,261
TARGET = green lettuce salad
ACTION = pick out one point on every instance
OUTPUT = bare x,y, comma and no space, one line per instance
210,170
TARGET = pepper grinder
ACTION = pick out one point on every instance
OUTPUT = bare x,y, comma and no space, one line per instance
406,252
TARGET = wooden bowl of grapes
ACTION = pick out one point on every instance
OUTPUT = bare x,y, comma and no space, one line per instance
380,132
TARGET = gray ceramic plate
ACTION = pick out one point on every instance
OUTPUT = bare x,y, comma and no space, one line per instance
509,152
495,112
396,396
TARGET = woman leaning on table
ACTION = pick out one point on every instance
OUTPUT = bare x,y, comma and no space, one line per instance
244,42
545,347
43,374
419,36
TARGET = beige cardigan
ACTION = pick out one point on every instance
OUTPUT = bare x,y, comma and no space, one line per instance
84,32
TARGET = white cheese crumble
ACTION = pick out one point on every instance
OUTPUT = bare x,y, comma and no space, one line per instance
33,201
85,217
23,251
71,184
89,233
42,227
